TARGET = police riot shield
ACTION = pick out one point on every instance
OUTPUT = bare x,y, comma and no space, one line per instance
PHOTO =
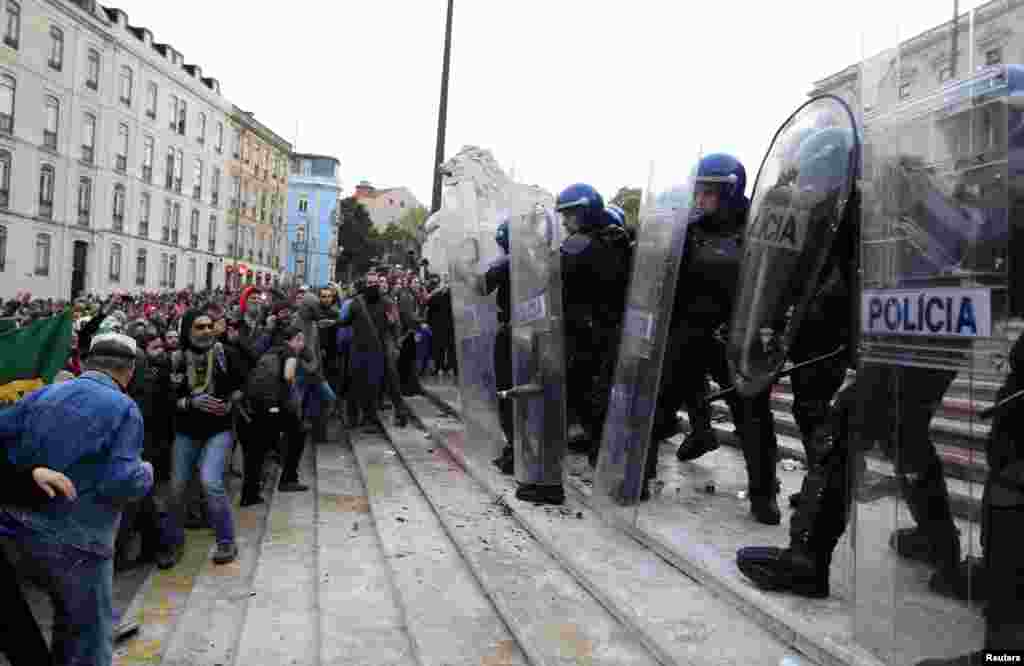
800,198
941,260
467,229
619,477
538,348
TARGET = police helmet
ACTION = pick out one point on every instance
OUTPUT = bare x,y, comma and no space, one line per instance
728,174
615,216
824,160
501,234
585,201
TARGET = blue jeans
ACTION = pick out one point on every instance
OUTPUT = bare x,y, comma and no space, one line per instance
81,586
212,456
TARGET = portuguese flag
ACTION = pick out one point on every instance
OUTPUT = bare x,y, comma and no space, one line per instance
31,356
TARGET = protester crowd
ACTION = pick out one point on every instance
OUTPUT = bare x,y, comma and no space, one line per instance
156,392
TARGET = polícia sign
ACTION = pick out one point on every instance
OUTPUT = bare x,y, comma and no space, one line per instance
945,312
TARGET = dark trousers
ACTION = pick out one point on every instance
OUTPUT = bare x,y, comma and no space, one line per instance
258,437
21,640
503,381
295,439
408,373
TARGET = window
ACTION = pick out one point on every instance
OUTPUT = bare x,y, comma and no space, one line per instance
303,205
219,146
993,57
5,179
144,215
151,95
300,234
56,48
236,142
7,86
13,33
3,248
192,273
92,72
42,254
193,230
178,112
904,91
179,168
169,180
172,271
52,123
165,235
147,159
212,235
201,136
140,268
182,114
88,137
115,262
215,187
117,214
176,224
84,201
126,85
47,179
197,180
121,158
163,269
236,184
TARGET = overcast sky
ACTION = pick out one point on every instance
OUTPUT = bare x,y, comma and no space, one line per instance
560,90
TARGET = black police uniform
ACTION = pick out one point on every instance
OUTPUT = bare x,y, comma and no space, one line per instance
595,275
705,292
498,278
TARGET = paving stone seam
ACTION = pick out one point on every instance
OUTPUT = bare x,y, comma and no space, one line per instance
777,621
657,646
314,487
533,653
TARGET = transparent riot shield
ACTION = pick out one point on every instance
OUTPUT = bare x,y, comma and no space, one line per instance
940,304
799,201
625,442
467,231
538,348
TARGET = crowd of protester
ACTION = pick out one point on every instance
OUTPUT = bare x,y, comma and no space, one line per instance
188,376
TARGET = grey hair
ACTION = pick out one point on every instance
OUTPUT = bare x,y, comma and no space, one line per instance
109,363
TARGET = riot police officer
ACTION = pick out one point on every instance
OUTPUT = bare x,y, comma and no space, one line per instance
497,278
704,297
595,274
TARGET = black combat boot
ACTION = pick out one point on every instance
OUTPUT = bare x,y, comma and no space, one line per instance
506,461
702,437
765,509
538,494
935,540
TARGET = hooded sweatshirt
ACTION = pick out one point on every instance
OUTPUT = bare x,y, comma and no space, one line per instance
215,371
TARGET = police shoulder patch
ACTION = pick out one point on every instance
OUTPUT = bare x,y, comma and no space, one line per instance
576,244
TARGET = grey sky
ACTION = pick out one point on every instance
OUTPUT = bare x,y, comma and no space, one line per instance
561,90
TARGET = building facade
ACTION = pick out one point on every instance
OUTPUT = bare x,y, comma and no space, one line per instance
926,62
112,155
258,169
385,206
314,191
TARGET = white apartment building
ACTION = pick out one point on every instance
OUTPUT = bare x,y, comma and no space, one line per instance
112,156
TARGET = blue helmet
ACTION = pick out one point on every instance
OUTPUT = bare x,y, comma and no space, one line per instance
501,235
584,199
614,215
729,174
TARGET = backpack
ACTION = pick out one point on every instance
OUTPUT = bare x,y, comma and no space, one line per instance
265,387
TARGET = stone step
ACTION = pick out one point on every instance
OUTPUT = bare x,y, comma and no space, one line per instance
553,618
979,389
450,619
207,633
282,622
677,619
360,619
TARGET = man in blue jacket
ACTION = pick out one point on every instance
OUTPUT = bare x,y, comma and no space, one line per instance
90,430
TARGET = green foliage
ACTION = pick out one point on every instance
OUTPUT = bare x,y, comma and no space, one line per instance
629,199
358,240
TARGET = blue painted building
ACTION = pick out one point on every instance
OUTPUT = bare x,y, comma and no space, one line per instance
313,194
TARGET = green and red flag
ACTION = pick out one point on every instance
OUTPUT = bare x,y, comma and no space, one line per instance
31,356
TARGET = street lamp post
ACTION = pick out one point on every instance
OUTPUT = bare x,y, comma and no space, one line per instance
442,112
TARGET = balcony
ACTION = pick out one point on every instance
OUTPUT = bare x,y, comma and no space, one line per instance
121,163
87,154
6,123
177,185
147,174
214,198
49,140
193,242
197,192
46,210
144,228
117,223
83,217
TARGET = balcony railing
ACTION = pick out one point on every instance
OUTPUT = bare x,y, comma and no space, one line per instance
121,163
87,154
49,139
117,222
46,210
83,217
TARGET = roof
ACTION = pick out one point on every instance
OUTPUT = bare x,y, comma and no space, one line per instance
314,156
